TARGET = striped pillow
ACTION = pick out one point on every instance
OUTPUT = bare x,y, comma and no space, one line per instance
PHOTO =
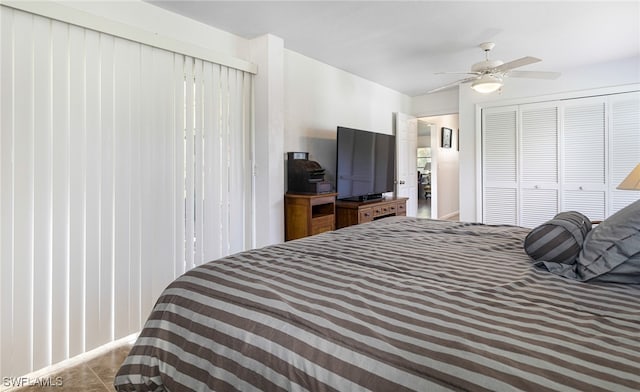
558,240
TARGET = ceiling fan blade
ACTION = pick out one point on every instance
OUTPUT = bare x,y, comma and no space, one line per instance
452,84
534,74
458,73
521,62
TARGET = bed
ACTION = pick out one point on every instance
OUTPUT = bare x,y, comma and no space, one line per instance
400,304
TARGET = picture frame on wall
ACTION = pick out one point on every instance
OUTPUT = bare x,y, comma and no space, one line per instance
446,137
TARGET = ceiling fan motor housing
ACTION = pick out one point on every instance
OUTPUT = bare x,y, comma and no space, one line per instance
486,65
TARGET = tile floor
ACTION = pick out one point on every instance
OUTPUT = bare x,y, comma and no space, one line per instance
93,375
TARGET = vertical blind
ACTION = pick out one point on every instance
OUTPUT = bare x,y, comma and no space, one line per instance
122,165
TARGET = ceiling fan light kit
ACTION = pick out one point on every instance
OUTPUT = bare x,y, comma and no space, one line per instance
488,75
487,84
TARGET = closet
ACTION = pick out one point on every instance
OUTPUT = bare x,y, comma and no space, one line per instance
542,158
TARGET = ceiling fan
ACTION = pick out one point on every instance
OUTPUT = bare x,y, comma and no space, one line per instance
488,75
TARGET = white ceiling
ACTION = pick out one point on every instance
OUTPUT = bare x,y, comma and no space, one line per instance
401,44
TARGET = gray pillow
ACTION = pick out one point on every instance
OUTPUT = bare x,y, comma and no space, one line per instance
611,251
558,240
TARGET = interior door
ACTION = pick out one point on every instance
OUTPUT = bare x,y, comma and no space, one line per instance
538,137
500,165
584,157
406,130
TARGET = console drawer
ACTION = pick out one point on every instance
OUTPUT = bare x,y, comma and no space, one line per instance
365,215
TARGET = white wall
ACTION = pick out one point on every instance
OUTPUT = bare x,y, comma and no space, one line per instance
573,82
442,102
268,53
318,98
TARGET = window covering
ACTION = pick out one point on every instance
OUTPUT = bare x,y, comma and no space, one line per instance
121,166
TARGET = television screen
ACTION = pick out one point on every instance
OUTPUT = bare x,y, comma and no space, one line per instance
365,164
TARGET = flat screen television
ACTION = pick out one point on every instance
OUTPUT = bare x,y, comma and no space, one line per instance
366,164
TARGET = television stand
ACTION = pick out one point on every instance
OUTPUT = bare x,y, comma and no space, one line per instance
365,198
350,213
307,214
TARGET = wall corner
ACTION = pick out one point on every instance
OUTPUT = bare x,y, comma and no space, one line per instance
267,52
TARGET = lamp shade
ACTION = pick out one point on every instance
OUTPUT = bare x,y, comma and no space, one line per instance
487,84
632,181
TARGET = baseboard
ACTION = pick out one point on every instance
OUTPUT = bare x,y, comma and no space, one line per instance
450,215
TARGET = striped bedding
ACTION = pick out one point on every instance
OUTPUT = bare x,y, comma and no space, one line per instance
400,304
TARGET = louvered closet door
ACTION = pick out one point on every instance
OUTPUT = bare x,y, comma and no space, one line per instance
539,163
500,169
584,156
624,146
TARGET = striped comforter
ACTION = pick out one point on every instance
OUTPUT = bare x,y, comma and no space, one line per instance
400,304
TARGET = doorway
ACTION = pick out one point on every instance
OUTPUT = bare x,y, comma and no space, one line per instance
439,189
